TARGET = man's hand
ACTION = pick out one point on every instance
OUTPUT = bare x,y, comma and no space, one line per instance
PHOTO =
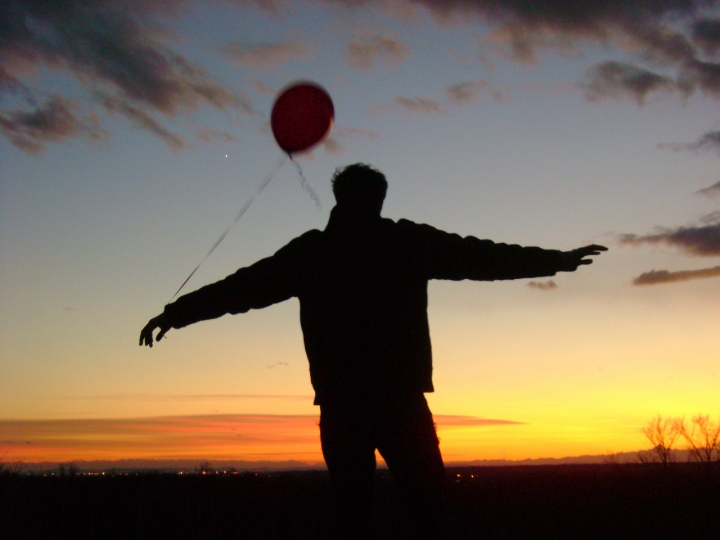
570,260
146,336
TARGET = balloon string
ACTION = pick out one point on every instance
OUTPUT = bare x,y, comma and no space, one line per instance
240,213
305,184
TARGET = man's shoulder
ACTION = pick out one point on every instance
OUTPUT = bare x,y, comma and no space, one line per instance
405,226
306,239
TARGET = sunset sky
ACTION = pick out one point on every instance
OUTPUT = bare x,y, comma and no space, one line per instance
133,131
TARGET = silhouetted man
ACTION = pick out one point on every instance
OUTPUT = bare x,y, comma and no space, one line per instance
362,285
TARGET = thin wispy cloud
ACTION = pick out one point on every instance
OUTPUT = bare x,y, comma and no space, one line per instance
450,421
700,239
114,49
712,192
193,397
244,437
657,277
468,92
548,285
418,105
618,80
268,55
364,52
710,141
333,144
140,118
207,134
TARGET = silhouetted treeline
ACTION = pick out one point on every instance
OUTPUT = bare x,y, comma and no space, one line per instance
611,501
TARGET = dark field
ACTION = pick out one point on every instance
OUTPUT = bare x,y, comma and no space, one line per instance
539,502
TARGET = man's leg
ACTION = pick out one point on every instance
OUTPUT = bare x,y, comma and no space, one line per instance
349,451
409,444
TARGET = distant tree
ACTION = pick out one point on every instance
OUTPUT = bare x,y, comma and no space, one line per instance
67,469
12,469
702,437
662,434
204,468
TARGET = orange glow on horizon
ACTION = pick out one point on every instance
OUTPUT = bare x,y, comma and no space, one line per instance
227,437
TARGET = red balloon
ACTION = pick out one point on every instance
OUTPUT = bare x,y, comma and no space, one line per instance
302,117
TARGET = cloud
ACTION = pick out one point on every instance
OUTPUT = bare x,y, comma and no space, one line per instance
278,364
364,52
618,80
709,141
656,277
701,239
218,436
333,145
266,56
194,397
142,119
468,92
712,192
264,88
530,24
667,34
53,121
114,49
206,134
706,33
548,285
419,105
450,421
212,436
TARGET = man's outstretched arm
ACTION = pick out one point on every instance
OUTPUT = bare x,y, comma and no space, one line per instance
266,282
449,256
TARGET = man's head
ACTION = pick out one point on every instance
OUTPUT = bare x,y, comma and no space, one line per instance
359,188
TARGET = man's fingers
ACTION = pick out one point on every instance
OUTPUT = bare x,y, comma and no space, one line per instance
162,333
592,250
146,337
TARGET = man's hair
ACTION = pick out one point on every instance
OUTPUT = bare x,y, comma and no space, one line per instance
359,186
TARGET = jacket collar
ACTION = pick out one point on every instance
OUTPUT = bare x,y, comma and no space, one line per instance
343,222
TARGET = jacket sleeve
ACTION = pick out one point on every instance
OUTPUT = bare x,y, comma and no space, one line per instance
268,281
450,256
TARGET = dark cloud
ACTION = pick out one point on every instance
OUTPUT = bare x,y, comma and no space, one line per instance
419,105
701,239
52,121
364,52
706,33
676,35
619,80
142,119
112,48
266,56
529,24
709,141
468,92
712,192
656,277
548,285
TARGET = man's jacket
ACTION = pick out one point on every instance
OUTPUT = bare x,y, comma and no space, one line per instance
362,285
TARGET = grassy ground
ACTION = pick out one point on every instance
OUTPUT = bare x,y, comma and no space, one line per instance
605,502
